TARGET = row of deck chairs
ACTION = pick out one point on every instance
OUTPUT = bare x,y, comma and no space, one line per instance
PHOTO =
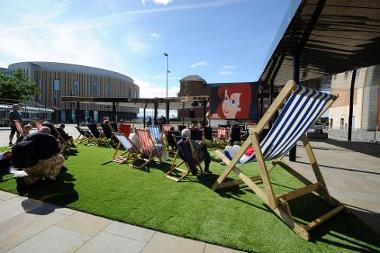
64,144
95,136
150,148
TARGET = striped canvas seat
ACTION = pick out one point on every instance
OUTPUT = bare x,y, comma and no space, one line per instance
127,144
222,133
19,127
148,147
299,108
155,132
130,150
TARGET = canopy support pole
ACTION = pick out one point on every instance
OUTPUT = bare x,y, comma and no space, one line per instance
144,117
204,113
167,112
155,114
351,107
296,78
113,111
183,113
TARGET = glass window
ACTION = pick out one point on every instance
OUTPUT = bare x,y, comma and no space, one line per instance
94,89
40,85
108,90
56,85
75,89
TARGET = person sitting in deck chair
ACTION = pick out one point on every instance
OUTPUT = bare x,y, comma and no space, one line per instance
65,136
37,156
198,147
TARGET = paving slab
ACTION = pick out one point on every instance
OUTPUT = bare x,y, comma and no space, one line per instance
130,231
164,243
23,226
53,239
84,223
13,207
210,248
107,242
6,195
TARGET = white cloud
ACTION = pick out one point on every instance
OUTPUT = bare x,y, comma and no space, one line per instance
150,90
154,35
34,12
135,45
78,47
107,20
230,67
163,2
226,72
198,64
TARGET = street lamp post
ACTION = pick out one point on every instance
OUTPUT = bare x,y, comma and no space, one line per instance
167,72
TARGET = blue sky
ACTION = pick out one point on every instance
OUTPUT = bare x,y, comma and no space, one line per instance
220,40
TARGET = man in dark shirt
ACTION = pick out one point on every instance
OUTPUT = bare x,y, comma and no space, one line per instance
38,154
14,115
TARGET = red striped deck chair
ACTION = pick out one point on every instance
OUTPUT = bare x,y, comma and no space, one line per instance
19,128
300,108
221,136
130,149
148,148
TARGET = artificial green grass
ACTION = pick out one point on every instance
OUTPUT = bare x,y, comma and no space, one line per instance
235,218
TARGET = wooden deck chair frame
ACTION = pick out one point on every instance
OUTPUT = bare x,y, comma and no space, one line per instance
125,156
279,204
175,167
154,152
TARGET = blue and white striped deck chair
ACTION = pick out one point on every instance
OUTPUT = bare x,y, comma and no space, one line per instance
130,150
155,132
302,108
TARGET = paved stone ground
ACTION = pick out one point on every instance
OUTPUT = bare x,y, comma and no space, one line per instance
352,174
28,225
351,171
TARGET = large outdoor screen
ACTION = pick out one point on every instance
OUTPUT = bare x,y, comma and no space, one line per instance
233,101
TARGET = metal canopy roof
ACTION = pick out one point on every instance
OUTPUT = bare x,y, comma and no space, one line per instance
174,102
331,36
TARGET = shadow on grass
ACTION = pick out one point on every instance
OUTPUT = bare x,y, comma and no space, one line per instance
60,192
345,230
70,152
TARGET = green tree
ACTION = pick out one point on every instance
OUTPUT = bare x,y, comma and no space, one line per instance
17,86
